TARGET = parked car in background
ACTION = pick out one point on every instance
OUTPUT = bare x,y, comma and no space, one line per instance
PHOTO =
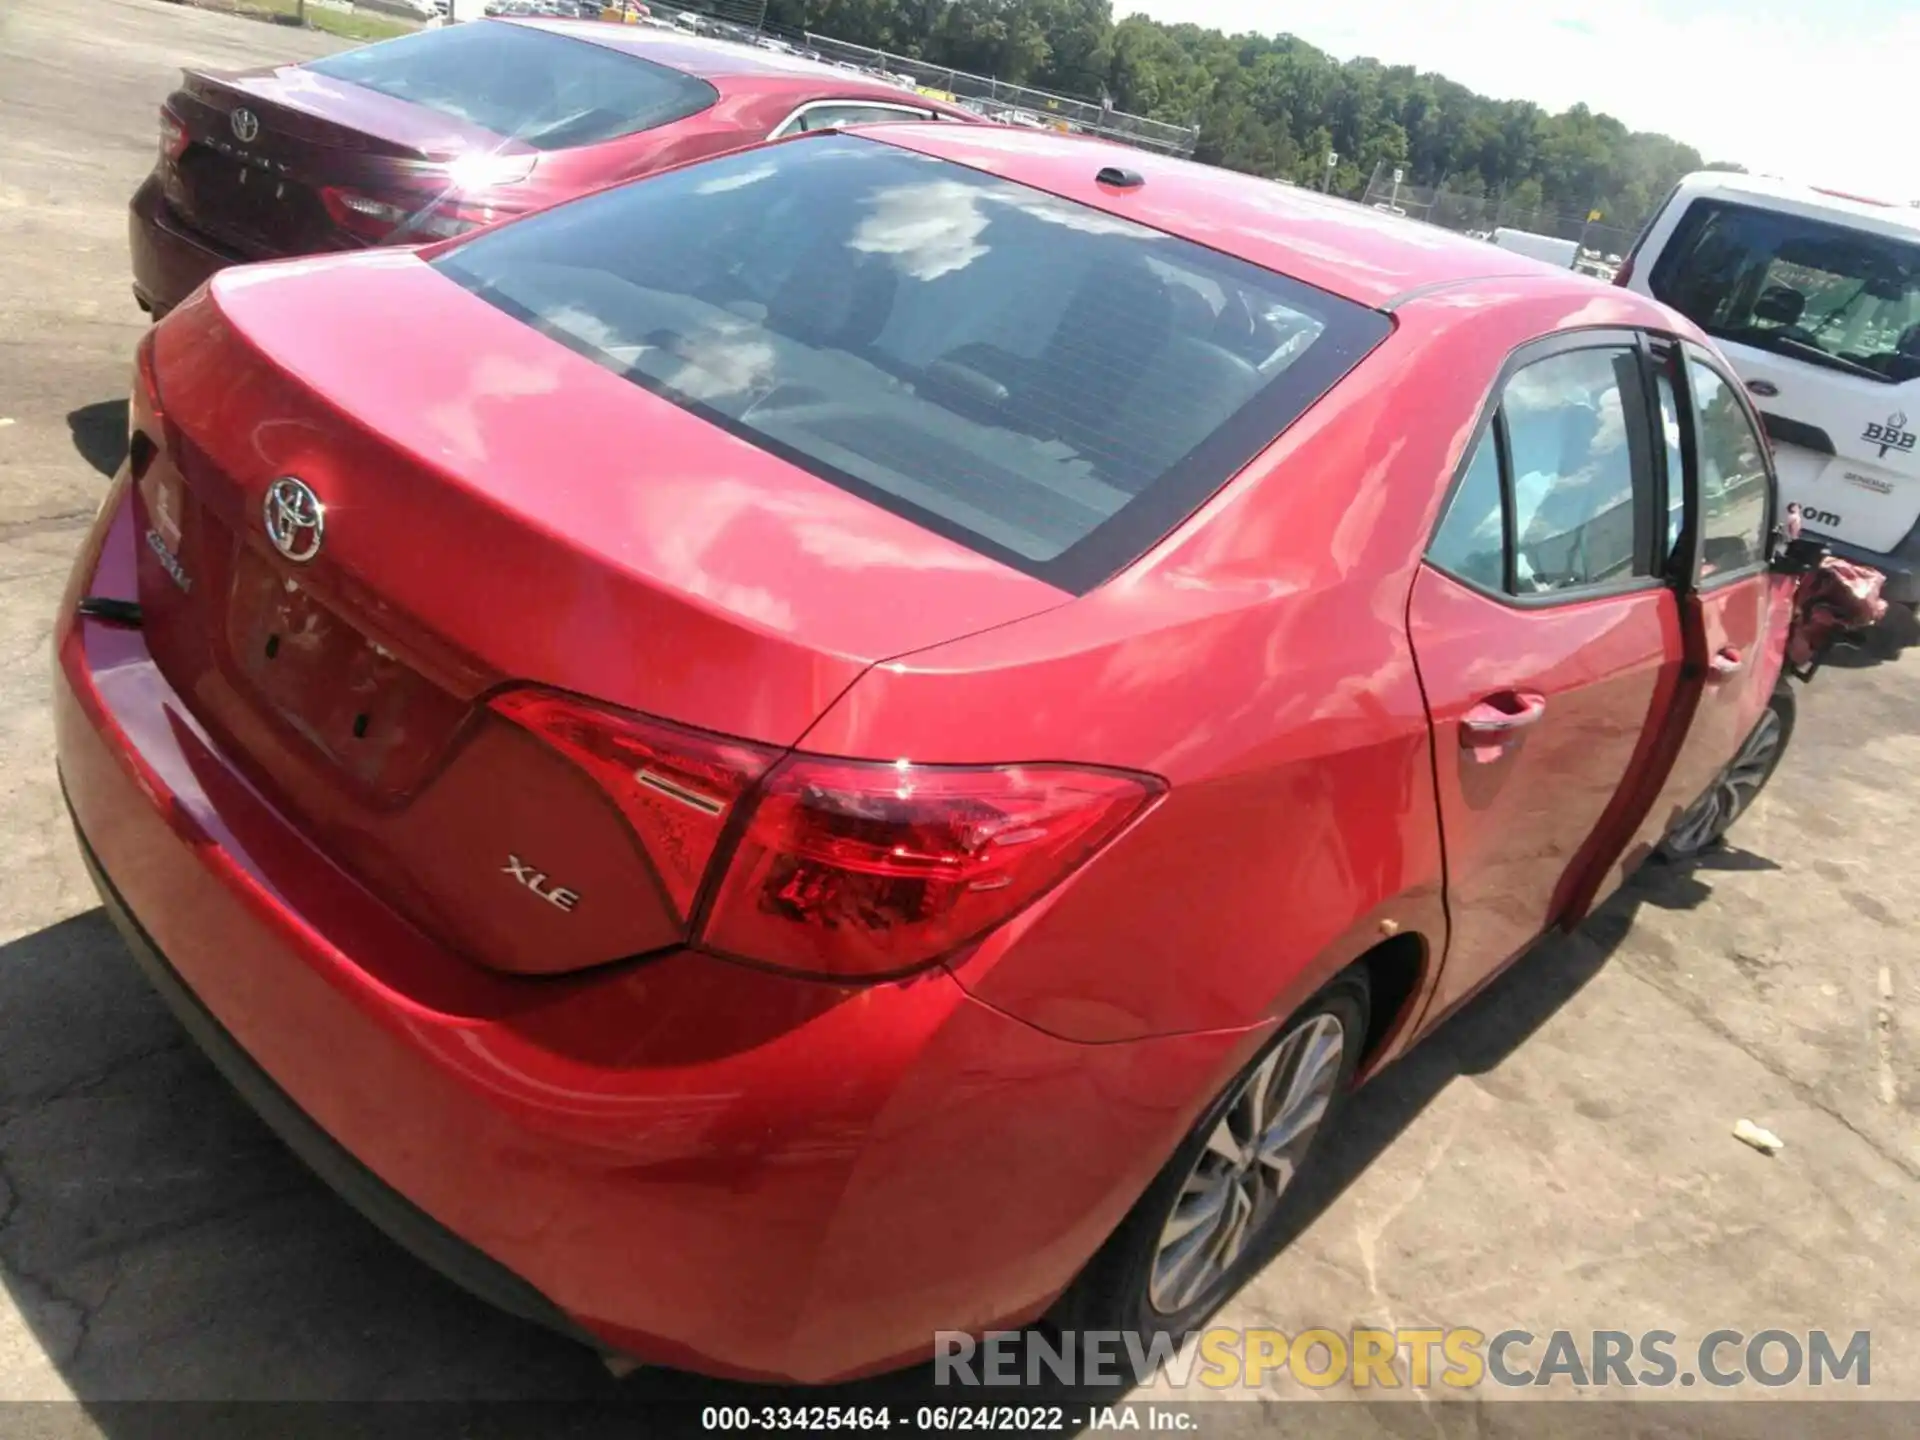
858,738
433,134
1815,297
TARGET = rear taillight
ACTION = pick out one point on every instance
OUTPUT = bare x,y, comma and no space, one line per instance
844,869
371,218
173,135
1624,274
677,787
858,871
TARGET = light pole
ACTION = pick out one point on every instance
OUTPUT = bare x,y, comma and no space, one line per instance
1326,180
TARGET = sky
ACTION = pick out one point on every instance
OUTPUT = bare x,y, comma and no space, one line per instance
1820,91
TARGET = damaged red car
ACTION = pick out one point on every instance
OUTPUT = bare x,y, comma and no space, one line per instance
869,736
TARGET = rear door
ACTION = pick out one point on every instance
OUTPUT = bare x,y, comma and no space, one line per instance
1548,642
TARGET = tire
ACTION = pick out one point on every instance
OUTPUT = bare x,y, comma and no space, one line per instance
1128,1286
1706,822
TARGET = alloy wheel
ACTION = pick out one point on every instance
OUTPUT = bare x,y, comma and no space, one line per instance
1248,1162
1729,796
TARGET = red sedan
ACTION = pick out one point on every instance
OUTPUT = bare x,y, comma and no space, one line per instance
440,132
867,736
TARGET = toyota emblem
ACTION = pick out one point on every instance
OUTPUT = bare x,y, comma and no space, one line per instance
245,125
296,520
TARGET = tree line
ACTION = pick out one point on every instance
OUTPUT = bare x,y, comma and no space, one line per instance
1275,105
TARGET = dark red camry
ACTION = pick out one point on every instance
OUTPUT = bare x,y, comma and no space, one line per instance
439,132
867,736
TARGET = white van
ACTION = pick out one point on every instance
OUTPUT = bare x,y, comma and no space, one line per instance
1815,297
1556,252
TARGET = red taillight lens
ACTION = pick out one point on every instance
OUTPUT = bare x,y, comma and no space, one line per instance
173,135
858,871
677,787
372,218
364,215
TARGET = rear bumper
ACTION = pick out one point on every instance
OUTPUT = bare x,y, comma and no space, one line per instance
170,262
688,1161
390,1211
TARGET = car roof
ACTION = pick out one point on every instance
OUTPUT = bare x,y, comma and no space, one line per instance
1335,245
710,59
1899,221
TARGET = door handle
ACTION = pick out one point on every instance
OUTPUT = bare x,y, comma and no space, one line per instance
1725,664
1499,718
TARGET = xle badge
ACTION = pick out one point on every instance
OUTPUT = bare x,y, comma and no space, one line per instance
541,884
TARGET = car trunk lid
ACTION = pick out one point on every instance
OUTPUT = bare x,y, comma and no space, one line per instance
263,148
497,510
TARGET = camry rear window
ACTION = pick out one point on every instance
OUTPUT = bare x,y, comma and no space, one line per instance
547,90
1827,294
1048,383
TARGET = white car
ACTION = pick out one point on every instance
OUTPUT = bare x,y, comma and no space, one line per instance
1815,298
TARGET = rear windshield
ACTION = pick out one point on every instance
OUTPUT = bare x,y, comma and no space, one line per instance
1830,295
532,85
1047,383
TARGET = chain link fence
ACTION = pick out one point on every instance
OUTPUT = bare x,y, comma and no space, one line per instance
1483,214
995,99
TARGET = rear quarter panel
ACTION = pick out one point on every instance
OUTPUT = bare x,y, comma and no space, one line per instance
1259,661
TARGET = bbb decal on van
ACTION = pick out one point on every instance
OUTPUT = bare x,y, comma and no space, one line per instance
1893,435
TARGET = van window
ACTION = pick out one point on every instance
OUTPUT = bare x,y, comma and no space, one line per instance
1807,289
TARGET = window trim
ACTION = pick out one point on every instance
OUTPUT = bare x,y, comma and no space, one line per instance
1691,352
901,108
1663,355
1492,417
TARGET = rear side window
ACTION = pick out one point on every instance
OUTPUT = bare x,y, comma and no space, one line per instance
1471,540
1808,289
548,90
1050,384
1554,498
1733,476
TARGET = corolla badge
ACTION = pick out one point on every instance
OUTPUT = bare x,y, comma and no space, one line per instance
296,520
245,125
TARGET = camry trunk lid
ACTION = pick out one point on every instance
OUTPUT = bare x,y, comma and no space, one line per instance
263,150
359,533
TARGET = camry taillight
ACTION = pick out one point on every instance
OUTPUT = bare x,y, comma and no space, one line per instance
381,220
173,135
843,869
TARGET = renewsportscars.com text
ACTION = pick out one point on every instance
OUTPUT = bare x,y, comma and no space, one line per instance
1459,1358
